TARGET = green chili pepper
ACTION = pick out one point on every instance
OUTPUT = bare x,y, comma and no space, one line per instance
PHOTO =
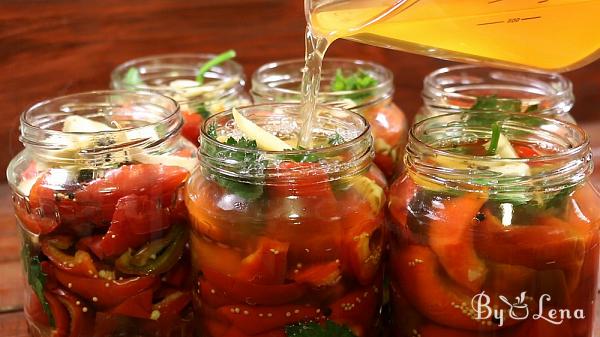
494,140
157,256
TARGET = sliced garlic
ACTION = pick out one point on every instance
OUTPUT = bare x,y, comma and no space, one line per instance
264,140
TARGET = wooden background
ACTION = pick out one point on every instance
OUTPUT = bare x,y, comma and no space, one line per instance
54,47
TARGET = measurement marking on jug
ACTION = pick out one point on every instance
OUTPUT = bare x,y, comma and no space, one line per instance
531,18
493,1
542,1
489,23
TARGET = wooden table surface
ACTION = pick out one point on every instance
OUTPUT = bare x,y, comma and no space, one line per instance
12,321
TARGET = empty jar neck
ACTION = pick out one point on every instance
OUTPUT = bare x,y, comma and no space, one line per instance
131,120
458,87
280,82
157,73
429,156
330,162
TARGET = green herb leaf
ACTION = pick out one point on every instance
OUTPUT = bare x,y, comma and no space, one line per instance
133,78
494,103
213,62
494,140
312,329
36,279
357,81
336,139
202,111
301,158
247,191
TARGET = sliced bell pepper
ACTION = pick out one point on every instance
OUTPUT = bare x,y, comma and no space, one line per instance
451,239
34,223
267,264
212,295
191,126
358,309
388,123
203,252
138,305
152,180
544,245
81,316
179,275
434,330
248,292
385,162
509,280
214,328
157,256
540,327
80,264
172,304
131,225
235,332
363,243
60,315
254,320
416,271
304,180
318,275
103,293
401,193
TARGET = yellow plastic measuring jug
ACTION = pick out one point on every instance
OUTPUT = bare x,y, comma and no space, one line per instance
557,35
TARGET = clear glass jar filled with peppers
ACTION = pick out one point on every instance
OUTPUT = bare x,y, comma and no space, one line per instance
478,88
98,201
494,229
361,86
202,84
286,240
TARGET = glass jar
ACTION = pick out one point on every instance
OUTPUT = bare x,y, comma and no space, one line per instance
280,82
174,75
491,245
98,201
283,241
465,87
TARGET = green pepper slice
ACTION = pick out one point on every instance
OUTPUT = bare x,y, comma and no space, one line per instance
155,257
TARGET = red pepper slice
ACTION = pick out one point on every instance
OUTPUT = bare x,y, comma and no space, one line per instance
203,252
401,193
80,264
81,316
191,126
135,219
548,244
254,320
388,123
180,274
358,309
33,308
451,238
106,293
363,243
415,270
524,151
325,274
248,292
267,264
60,315
304,180
235,332
434,330
34,223
139,305
172,304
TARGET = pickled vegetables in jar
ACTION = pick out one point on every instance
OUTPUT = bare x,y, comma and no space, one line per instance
97,194
494,229
286,241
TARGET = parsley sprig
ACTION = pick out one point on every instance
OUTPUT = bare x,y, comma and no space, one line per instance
356,81
36,279
133,78
493,103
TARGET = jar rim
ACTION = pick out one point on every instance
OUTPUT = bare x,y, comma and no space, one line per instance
576,148
557,87
361,143
26,122
384,86
38,133
233,69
